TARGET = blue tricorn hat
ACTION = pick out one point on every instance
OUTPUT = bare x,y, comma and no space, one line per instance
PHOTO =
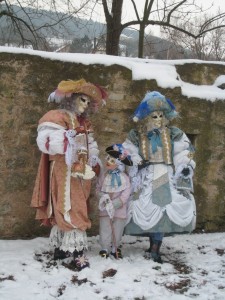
154,101
119,152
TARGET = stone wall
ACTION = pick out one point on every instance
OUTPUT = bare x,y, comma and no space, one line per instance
25,83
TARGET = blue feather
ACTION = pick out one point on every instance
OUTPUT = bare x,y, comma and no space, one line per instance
170,103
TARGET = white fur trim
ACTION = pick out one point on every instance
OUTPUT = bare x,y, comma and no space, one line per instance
133,150
49,125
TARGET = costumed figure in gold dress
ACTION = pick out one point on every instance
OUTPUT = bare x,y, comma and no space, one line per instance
69,162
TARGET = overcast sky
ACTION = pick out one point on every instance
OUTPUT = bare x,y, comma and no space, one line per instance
128,11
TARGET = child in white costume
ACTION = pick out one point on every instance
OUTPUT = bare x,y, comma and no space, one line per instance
161,201
114,191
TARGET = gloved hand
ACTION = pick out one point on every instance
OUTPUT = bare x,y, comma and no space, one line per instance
94,160
71,133
103,200
110,209
117,203
185,171
105,203
143,164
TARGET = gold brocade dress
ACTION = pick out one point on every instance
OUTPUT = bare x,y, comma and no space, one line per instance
60,199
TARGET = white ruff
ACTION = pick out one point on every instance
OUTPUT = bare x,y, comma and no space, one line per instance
108,188
68,240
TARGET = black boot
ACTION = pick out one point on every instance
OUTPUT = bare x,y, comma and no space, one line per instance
60,254
155,253
104,253
150,246
117,254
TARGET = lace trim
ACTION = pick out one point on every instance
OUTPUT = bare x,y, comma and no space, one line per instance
68,240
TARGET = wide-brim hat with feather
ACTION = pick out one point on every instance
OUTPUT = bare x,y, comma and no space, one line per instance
154,101
67,88
119,152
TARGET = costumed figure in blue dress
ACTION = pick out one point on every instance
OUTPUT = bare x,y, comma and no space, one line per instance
162,202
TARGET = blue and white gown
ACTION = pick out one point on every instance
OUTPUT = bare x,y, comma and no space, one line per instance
158,203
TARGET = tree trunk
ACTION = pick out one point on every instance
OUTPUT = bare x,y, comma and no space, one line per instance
141,40
114,28
112,40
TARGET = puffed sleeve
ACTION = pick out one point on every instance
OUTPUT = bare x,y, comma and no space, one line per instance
132,146
51,138
183,152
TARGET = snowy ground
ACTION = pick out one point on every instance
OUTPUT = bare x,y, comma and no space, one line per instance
193,268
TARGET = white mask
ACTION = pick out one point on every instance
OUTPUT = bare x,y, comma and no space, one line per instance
155,120
83,103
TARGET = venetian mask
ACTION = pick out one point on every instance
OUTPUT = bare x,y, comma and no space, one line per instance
77,103
83,103
155,120
111,162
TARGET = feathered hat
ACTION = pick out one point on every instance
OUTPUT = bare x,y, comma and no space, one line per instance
118,151
66,88
154,101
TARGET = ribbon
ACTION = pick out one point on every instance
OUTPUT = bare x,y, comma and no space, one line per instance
115,176
155,139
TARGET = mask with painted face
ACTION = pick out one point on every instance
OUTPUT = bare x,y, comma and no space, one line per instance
156,120
83,103
110,162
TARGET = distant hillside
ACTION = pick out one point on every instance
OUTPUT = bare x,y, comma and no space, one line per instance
69,28
72,28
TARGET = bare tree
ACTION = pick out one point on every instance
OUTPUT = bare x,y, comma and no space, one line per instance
113,24
159,48
176,15
209,46
218,40
24,23
163,13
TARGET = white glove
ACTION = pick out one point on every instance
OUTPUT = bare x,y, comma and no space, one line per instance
105,203
110,209
71,133
94,160
102,202
179,170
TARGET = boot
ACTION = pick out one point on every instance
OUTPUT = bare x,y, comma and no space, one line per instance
117,254
60,254
155,254
150,246
104,253
80,260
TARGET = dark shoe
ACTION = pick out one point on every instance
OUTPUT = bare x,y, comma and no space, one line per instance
117,254
80,260
156,257
155,252
104,254
60,254
149,250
